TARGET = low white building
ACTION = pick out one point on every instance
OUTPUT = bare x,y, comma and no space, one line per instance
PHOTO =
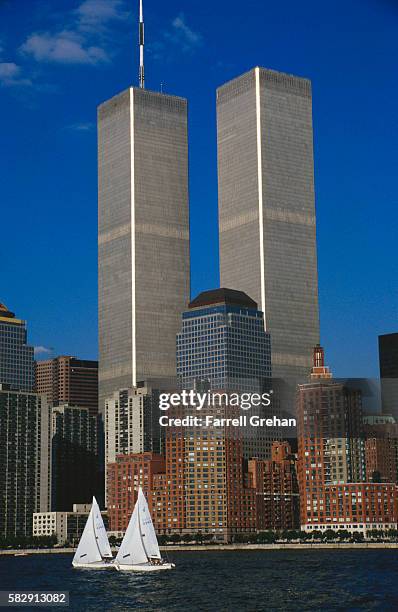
66,526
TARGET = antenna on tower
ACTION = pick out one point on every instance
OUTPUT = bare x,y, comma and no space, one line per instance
142,42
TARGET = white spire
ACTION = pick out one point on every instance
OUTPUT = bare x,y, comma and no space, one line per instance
141,41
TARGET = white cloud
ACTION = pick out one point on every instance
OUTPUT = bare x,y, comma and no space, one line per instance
10,75
85,39
85,126
184,35
64,47
42,350
179,37
96,13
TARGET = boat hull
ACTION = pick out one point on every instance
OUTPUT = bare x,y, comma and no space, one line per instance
144,567
94,566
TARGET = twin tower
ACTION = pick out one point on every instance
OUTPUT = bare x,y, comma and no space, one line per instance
266,222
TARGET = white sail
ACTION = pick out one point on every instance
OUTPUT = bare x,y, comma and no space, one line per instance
132,551
88,550
147,529
100,532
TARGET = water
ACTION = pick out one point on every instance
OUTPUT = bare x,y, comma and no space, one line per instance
222,581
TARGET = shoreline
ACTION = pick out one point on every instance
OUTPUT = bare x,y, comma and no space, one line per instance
222,547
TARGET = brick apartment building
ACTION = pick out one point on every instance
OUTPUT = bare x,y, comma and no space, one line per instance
334,492
200,486
275,482
381,448
67,380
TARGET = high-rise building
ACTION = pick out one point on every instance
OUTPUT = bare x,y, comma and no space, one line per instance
75,457
132,423
381,448
330,444
267,211
335,492
388,359
223,346
275,481
25,460
16,356
143,236
223,343
68,380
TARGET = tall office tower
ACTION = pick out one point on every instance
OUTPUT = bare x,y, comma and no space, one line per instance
75,460
16,357
132,423
267,211
143,236
223,344
388,358
67,380
25,460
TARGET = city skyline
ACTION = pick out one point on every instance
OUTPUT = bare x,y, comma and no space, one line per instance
344,269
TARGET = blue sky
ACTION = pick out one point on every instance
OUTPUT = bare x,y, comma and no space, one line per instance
59,60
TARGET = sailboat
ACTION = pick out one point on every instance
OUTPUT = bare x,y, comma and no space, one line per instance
93,551
139,551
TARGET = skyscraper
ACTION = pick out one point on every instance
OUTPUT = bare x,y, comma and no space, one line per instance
388,358
16,357
223,344
25,460
132,423
75,460
143,236
267,209
67,380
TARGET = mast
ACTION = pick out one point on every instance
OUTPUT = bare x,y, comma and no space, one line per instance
94,531
139,523
141,42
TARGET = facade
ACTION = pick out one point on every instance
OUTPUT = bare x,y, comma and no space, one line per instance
388,359
66,526
16,356
25,465
275,481
144,274
75,457
200,487
381,448
267,211
356,506
68,380
124,477
132,423
223,344
335,492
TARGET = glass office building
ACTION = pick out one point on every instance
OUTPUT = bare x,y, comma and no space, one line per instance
16,357
223,344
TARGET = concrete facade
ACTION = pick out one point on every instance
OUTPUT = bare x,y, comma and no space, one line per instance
267,209
144,280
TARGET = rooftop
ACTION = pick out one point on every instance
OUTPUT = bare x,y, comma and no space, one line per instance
4,312
223,296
